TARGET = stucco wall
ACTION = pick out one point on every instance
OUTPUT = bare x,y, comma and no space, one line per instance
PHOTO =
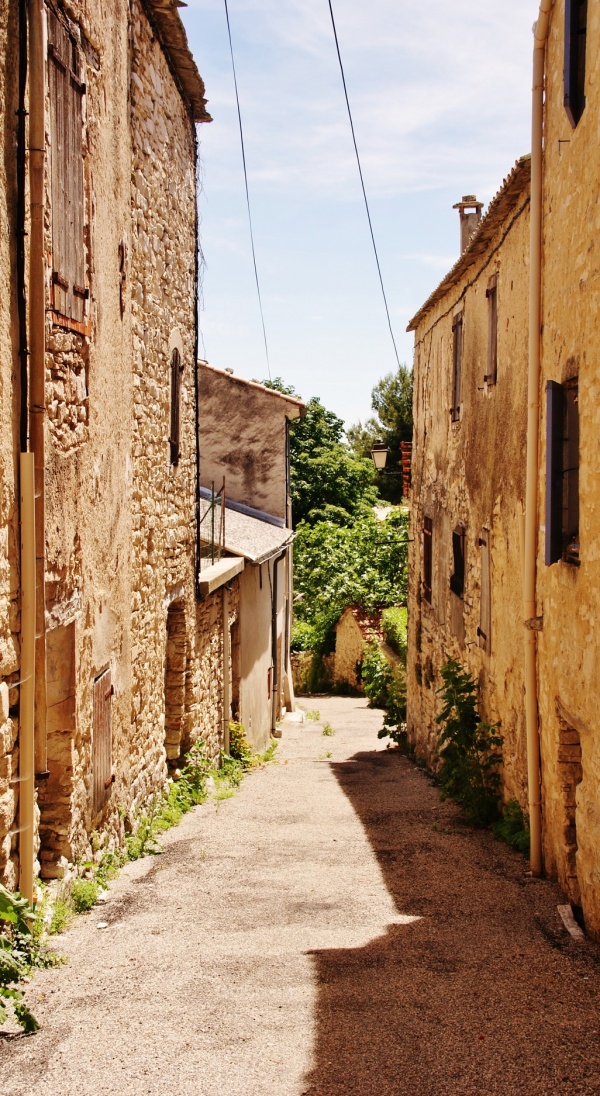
472,471
243,437
569,596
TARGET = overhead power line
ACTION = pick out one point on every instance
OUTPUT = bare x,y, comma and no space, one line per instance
362,183
237,99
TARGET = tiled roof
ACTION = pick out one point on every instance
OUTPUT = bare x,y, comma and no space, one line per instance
246,536
171,33
499,209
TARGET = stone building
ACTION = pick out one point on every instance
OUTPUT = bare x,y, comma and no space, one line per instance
468,477
505,489
244,455
98,378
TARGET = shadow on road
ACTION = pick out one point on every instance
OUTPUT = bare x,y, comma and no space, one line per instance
482,994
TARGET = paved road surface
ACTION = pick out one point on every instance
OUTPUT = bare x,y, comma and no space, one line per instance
333,930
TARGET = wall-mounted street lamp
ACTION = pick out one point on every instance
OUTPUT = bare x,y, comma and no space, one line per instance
379,456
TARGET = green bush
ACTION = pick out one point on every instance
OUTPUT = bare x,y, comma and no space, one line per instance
468,748
393,625
239,747
513,827
20,952
84,894
377,676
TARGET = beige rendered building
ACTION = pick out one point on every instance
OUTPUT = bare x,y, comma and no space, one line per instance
513,490
468,475
244,456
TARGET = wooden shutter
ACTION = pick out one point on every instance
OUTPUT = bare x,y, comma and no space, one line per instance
427,558
484,631
492,358
174,438
457,340
574,59
102,741
66,91
457,579
554,471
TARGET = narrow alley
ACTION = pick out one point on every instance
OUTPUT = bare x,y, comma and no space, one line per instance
331,929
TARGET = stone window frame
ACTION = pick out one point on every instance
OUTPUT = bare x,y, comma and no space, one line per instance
427,559
176,365
491,293
457,578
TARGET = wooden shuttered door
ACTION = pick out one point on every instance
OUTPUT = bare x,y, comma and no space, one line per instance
102,740
484,631
554,471
427,558
492,356
457,343
175,434
66,91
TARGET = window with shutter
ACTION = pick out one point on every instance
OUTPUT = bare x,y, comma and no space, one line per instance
492,357
174,437
457,578
457,341
484,631
427,558
574,63
562,472
102,741
66,90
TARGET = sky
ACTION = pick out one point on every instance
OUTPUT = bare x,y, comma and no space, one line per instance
440,97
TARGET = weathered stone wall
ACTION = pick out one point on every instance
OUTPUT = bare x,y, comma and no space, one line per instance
568,595
472,471
349,649
120,518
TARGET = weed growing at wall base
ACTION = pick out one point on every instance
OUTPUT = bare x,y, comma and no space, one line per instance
20,952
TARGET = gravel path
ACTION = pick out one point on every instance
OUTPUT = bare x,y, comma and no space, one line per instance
332,930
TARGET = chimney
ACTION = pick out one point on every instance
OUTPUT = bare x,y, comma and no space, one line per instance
470,216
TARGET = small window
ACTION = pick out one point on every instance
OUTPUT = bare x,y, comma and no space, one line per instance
484,631
457,341
562,472
102,741
574,70
492,356
66,91
427,558
457,578
174,437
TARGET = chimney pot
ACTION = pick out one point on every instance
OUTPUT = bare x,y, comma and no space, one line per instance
470,216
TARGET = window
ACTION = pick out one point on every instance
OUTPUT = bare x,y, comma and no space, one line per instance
562,472
102,775
174,437
492,357
457,578
485,608
574,69
427,558
66,91
457,340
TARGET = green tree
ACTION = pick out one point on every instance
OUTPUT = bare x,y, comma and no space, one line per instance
329,481
363,564
391,400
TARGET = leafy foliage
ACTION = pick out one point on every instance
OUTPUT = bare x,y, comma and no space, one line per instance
393,625
84,894
20,951
513,827
391,400
328,481
336,566
468,748
239,747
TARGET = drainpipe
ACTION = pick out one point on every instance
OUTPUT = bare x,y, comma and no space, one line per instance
274,659
531,491
27,689
37,356
226,669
